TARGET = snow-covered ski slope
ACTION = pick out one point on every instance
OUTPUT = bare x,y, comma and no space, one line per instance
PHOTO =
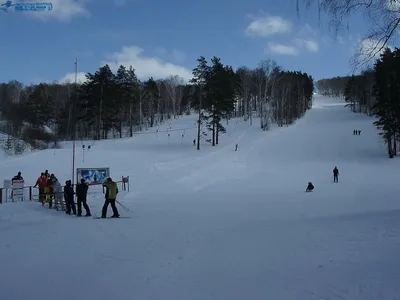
218,224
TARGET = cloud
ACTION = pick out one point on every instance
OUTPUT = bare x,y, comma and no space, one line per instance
176,55
306,39
307,31
282,49
371,49
70,78
267,26
309,45
145,66
63,10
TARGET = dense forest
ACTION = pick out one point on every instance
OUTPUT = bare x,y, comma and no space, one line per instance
375,92
118,104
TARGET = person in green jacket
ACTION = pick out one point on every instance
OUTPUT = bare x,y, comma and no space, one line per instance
111,196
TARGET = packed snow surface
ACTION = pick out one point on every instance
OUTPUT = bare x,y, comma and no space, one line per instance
217,223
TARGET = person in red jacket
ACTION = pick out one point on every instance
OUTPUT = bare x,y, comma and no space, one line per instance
42,183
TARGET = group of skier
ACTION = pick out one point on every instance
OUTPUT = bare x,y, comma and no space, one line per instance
46,183
356,132
81,195
310,186
51,189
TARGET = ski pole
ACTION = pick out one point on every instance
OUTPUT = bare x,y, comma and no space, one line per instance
123,206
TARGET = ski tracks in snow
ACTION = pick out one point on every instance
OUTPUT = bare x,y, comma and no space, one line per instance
226,166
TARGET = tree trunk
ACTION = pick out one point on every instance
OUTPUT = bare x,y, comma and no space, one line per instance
199,123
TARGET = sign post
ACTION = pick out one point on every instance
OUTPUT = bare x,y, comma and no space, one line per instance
92,176
7,185
125,180
17,190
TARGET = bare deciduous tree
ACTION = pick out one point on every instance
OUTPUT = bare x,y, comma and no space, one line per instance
383,17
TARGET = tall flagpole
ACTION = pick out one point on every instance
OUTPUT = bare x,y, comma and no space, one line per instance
74,127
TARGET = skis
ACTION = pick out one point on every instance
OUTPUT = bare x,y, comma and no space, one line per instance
111,218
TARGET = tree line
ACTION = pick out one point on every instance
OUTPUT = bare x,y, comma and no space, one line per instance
376,92
118,104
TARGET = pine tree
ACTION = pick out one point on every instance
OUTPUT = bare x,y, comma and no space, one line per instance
222,86
387,94
200,77
40,107
128,90
100,93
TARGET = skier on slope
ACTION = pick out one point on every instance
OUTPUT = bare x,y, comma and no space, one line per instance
69,197
58,195
310,187
335,174
81,194
111,198
50,191
41,182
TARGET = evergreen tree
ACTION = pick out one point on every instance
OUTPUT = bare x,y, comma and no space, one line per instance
200,77
150,88
387,92
222,86
39,107
100,92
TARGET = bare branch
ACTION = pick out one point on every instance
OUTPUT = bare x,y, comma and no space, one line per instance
383,17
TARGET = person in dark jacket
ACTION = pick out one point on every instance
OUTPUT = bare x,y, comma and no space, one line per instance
310,187
69,197
81,195
335,174
111,197
17,177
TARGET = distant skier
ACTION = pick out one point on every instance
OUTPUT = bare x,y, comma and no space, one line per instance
359,132
310,187
111,197
236,147
354,132
69,197
81,194
335,174
194,142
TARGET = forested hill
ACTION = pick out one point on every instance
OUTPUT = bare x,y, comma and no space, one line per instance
115,103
